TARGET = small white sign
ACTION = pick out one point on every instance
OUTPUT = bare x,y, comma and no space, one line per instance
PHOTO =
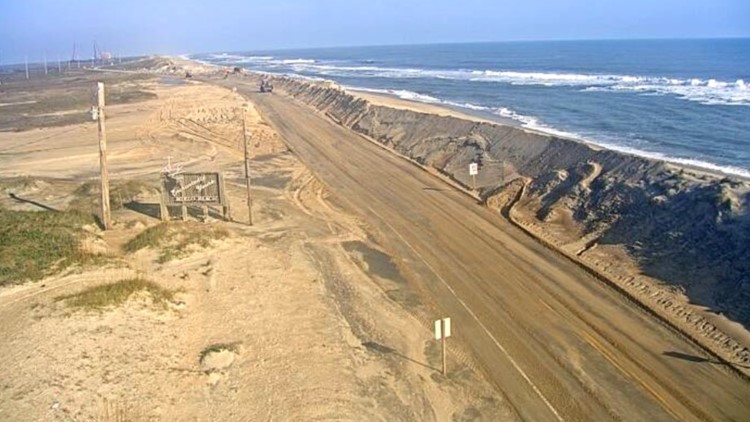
439,324
473,169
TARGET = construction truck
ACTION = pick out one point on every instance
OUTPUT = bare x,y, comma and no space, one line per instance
265,86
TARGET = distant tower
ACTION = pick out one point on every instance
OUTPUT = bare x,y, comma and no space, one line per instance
73,57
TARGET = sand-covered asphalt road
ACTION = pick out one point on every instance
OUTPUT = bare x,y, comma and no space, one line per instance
557,342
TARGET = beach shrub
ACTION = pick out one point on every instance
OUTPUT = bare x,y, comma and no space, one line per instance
114,294
34,244
174,240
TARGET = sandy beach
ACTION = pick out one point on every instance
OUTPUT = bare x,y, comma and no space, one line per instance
541,185
367,228
301,316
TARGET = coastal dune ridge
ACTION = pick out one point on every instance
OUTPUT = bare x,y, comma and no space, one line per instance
533,123
658,230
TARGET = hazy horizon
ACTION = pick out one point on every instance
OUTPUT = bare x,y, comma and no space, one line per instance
53,59
38,27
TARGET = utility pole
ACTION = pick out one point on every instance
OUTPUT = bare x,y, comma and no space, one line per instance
26,59
99,112
45,64
59,65
247,171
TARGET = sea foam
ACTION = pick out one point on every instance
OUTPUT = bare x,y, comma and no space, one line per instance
708,92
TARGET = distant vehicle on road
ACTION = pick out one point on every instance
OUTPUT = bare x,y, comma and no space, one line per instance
265,86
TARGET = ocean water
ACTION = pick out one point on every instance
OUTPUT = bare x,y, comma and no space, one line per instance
685,101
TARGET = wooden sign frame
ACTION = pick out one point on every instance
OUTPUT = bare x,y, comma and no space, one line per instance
193,189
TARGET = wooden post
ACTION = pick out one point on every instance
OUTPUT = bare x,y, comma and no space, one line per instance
45,64
224,199
106,217
474,182
26,59
184,212
445,366
247,172
163,209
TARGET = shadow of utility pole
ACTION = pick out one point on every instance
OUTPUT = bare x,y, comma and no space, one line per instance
29,201
377,347
698,359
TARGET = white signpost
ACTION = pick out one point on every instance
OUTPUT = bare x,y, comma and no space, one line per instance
473,171
443,331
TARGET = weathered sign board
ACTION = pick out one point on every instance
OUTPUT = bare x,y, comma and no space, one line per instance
194,188
202,189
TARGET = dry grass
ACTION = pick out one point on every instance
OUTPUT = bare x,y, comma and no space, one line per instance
152,237
175,239
86,198
36,244
118,411
114,294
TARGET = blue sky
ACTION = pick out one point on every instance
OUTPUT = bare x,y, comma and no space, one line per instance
33,27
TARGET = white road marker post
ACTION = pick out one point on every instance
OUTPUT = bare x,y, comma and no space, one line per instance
442,332
473,171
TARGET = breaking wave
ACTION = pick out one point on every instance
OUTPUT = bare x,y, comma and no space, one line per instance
231,59
708,91
704,91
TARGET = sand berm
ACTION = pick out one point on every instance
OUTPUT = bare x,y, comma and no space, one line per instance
673,238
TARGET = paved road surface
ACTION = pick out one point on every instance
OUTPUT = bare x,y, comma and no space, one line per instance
559,344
